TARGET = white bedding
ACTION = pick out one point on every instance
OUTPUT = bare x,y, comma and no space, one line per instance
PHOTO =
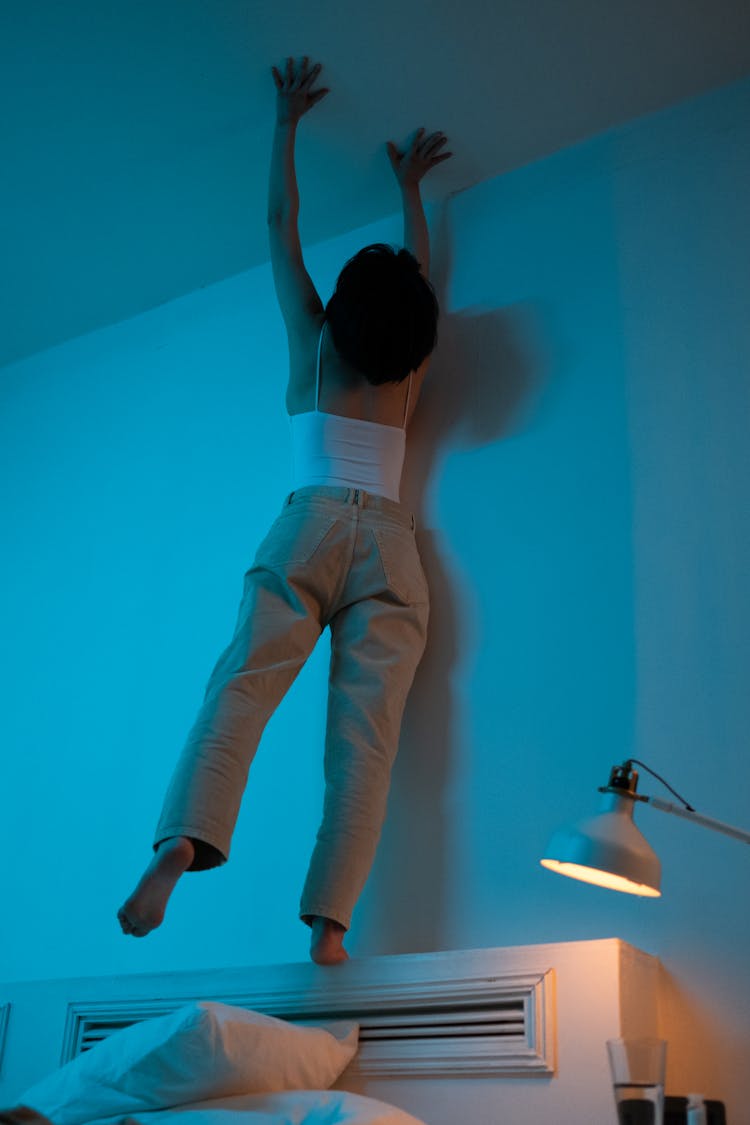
292,1107
199,1051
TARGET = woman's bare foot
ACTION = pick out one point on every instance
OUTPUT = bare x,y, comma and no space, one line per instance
326,944
144,910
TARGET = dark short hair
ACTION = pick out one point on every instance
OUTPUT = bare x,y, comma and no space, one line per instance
383,314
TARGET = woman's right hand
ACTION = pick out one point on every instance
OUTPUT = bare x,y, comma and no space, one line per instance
417,158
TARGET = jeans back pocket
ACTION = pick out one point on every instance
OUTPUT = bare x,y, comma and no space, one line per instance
293,539
402,566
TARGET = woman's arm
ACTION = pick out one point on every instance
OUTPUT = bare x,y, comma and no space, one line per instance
416,235
409,167
298,298
294,98
283,195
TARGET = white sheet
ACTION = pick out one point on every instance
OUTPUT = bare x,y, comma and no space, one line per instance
292,1107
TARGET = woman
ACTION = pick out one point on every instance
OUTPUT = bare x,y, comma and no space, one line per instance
341,555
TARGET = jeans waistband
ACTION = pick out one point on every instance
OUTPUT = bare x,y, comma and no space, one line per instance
357,496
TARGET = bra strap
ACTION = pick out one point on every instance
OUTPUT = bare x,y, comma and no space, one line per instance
317,371
408,395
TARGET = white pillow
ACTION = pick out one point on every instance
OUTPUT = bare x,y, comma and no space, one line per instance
202,1050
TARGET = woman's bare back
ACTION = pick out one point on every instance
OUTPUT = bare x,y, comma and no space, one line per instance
343,389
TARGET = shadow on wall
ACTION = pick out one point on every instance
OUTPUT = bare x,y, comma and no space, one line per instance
481,387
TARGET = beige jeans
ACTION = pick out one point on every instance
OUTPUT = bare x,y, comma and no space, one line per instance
336,557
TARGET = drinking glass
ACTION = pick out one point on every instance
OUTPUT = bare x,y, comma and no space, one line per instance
637,1067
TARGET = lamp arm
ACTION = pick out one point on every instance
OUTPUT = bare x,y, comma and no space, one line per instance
697,818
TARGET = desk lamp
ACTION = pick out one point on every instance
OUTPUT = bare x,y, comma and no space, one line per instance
608,849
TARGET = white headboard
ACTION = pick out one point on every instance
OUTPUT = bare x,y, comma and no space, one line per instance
512,1034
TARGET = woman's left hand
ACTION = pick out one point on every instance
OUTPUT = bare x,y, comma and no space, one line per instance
294,91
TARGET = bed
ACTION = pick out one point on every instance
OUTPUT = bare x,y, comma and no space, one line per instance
303,1107
210,1063
513,1035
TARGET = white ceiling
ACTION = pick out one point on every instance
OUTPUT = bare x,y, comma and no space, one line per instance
137,132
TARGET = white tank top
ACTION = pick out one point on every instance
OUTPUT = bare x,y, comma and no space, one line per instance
333,449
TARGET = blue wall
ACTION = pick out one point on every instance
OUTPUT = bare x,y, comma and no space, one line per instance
579,469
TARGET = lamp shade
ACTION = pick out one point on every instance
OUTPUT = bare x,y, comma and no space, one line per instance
608,850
